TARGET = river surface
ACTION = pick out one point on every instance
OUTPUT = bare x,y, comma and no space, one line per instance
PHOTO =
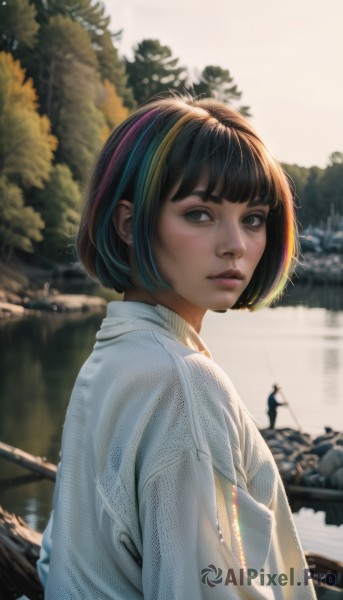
299,345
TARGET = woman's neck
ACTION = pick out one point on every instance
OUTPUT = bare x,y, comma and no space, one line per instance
189,312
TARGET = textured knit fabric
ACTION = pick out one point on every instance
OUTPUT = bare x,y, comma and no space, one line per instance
164,478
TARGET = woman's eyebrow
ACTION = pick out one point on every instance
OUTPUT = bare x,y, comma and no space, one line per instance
203,195
257,202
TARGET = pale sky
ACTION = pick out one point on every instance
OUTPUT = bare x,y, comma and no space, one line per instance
286,56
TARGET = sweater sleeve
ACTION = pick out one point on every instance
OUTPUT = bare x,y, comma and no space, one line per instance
184,553
43,563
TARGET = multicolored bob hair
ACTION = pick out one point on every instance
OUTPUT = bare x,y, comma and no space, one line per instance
171,142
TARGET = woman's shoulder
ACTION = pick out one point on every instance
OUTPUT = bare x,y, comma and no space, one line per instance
175,395
203,384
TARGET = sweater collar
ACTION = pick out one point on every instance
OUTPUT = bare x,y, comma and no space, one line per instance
123,317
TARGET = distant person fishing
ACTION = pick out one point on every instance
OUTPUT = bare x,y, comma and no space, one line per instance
272,406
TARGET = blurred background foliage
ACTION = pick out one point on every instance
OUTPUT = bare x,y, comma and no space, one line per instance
63,88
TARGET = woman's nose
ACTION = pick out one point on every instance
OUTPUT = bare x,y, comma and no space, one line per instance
231,241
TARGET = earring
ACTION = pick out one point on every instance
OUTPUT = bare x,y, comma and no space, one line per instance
130,242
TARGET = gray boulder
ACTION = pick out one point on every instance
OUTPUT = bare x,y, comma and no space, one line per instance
331,462
336,480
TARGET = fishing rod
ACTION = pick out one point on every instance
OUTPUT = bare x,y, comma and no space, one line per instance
285,401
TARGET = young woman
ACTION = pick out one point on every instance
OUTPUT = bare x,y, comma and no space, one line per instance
166,489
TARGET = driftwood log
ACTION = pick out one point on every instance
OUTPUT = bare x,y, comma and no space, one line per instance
24,459
19,544
19,551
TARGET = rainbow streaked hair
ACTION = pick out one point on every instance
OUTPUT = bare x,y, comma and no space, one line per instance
170,143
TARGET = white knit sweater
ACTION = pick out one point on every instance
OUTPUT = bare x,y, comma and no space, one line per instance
166,488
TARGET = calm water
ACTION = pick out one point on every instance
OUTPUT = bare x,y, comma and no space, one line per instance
299,345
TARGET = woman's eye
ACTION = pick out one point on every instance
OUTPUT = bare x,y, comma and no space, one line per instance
198,216
255,220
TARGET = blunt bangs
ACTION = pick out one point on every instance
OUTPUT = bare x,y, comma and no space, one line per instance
232,166
178,142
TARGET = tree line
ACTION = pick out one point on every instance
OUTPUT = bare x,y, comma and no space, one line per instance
319,192
63,88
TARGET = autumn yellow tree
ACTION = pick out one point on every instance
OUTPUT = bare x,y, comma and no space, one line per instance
26,153
111,106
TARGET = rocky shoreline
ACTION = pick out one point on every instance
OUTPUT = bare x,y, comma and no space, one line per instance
29,292
320,268
34,303
314,462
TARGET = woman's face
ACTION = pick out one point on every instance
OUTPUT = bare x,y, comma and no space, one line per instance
207,248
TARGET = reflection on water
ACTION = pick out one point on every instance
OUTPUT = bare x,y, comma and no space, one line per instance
314,296
332,511
300,348
331,358
40,360
318,537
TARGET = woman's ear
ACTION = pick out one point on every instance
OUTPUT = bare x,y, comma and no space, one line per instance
122,221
